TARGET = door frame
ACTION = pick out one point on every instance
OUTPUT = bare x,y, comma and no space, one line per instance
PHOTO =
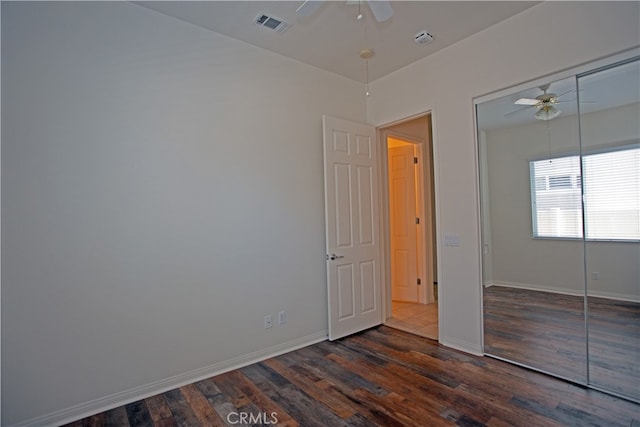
429,252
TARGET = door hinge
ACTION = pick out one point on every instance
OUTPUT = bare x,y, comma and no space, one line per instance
417,220
419,281
415,160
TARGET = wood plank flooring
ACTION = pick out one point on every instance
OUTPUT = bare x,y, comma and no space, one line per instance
380,377
547,331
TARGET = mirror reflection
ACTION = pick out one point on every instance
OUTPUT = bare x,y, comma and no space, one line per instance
611,181
560,198
533,263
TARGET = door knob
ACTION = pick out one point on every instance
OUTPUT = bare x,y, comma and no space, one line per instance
334,256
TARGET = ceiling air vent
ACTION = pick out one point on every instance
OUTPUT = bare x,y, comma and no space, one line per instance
423,37
276,24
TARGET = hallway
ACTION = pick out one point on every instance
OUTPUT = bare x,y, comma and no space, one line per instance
418,319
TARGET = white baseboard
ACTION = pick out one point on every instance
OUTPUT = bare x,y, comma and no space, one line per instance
617,297
530,287
564,291
462,346
106,403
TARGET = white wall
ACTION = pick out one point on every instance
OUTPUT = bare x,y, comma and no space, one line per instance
549,264
161,192
542,40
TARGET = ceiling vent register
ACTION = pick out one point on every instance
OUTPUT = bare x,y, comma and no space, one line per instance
272,23
423,37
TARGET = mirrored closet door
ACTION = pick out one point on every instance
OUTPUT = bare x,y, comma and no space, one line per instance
610,135
560,202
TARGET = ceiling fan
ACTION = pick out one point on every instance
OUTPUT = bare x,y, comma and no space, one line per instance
381,9
544,104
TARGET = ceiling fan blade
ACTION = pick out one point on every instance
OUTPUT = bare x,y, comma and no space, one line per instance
517,111
573,101
381,9
527,101
309,7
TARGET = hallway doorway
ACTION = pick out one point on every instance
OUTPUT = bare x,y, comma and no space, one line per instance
410,227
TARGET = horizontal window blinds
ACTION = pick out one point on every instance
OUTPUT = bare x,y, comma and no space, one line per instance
557,210
611,196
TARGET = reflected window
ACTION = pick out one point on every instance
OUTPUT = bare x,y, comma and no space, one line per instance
611,195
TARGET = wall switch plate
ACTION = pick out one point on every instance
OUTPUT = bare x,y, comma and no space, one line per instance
268,321
451,239
282,317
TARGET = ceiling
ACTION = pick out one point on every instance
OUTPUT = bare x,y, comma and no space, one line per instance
332,37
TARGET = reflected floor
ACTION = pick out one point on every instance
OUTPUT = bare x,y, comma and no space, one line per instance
418,319
546,331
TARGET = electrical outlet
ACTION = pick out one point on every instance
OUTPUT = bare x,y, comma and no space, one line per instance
268,321
282,317
595,275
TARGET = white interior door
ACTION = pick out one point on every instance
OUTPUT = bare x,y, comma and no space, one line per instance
352,233
403,227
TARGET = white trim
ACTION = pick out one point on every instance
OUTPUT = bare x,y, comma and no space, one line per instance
530,287
0,250
617,297
383,227
115,400
0,247
479,221
437,277
462,346
564,291
479,193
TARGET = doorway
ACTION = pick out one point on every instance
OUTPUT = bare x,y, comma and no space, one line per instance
410,227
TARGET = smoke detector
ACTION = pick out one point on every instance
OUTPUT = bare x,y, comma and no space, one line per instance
366,53
423,37
273,23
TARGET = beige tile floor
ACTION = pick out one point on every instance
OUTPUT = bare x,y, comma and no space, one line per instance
419,319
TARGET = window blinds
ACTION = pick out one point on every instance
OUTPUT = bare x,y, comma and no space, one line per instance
611,195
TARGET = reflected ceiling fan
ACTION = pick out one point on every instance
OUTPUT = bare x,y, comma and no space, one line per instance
545,104
381,9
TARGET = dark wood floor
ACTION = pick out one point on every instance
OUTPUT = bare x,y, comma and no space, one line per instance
381,377
547,331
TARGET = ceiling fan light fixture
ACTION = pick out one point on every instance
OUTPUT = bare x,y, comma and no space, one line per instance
547,112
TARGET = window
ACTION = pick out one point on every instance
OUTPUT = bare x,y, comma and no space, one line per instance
611,195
